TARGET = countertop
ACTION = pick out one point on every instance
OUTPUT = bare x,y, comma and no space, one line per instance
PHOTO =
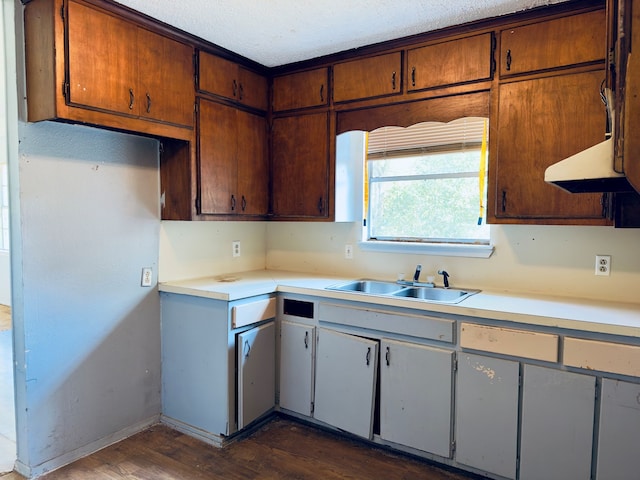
543,310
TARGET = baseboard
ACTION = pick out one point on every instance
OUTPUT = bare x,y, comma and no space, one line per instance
207,437
77,454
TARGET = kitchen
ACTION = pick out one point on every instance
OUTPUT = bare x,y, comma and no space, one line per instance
107,222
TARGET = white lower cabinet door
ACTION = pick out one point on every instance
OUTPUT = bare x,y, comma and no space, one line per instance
557,424
256,372
346,367
415,396
487,414
297,346
619,433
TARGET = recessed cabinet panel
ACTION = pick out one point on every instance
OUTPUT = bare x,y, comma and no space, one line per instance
368,77
619,432
412,411
448,63
301,90
487,414
567,41
557,424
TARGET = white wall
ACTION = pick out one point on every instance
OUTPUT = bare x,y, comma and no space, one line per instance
89,366
557,260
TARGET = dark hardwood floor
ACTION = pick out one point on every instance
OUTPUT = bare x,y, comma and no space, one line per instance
281,449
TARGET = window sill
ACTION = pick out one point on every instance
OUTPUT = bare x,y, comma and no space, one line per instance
444,250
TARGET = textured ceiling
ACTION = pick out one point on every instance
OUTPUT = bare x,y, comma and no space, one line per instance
277,32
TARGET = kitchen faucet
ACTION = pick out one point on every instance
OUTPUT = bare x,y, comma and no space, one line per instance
416,275
445,277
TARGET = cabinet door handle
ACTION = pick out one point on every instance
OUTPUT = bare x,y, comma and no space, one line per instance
504,200
320,205
306,339
234,88
241,92
148,103
247,349
393,81
244,203
368,358
387,356
233,202
413,76
322,93
132,99
508,60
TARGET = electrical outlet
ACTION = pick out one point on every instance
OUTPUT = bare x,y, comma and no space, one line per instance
147,277
603,265
348,251
235,246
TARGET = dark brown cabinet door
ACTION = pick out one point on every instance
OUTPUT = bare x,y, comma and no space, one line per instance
541,122
253,164
573,40
217,146
368,77
301,90
449,63
223,77
233,160
300,167
165,71
102,66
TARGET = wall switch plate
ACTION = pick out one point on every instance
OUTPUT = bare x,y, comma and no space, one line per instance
235,246
348,251
147,277
603,265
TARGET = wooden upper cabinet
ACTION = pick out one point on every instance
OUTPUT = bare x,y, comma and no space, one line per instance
233,160
541,122
301,90
228,79
449,63
562,42
300,166
87,64
368,77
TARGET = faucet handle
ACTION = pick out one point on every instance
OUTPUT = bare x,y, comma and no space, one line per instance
445,277
416,275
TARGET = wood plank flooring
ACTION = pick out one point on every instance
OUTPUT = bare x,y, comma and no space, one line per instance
282,449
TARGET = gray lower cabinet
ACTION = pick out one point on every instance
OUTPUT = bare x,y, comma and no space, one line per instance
256,350
557,424
487,391
415,396
619,433
346,372
297,352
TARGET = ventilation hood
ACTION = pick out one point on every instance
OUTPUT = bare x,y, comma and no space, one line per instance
591,170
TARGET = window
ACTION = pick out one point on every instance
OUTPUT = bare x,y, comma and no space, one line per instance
427,183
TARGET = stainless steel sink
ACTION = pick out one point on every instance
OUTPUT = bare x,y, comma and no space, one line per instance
391,289
373,287
436,294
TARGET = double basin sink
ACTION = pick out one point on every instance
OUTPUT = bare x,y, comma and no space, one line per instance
399,290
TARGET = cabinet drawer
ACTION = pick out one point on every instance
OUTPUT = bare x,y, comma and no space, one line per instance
366,78
561,42
421,326
603,356
449,63
301,90
253,312
507,341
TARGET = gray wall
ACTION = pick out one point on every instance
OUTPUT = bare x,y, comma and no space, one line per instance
87,335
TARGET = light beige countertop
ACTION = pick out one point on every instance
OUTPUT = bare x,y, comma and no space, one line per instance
543,310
